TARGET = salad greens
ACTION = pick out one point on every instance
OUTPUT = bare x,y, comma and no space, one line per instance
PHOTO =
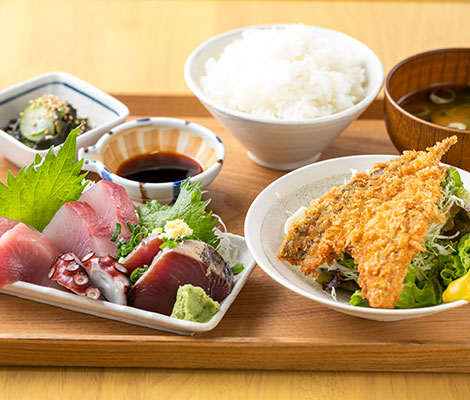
189,207
446,256
39,190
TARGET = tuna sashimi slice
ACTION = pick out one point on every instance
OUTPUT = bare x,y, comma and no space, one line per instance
191,262
111,202
76,228
26,255
143,254
6,224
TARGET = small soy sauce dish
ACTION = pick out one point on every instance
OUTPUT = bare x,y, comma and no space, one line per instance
152,157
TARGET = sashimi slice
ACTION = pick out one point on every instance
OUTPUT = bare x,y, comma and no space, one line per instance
26,255
143,254
6,224
191,262
76,228
111,202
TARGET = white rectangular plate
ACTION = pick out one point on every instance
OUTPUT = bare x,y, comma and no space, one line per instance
133,315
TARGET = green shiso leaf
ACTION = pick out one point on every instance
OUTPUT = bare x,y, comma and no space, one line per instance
189,207
38,191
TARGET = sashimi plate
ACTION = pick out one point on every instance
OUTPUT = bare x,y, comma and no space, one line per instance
264,232
133,315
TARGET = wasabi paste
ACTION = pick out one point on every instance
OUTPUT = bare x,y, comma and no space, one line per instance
193,304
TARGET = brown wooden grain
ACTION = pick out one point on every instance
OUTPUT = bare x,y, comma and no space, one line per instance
189,106
409,132
267,327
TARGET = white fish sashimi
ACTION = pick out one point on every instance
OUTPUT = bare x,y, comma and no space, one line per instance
76,228
111,203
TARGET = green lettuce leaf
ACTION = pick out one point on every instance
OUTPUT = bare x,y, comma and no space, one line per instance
38,191
454,182
452,268
420,292
357,300
189,207
464,251
347,261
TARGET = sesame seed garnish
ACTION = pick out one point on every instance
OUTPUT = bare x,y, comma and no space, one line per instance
51,104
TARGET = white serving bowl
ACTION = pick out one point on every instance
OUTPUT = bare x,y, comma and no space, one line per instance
264,232
103,111
150,135
281,144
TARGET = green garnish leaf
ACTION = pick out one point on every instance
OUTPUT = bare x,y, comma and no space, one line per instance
170,243
173,242
116,232
38,191
137,273
189,207
137,234
236,269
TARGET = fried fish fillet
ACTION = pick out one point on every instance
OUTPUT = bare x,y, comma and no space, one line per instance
379,218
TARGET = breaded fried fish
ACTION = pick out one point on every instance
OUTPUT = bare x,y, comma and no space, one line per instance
379,218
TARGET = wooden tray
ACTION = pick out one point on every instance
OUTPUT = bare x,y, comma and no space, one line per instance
267,327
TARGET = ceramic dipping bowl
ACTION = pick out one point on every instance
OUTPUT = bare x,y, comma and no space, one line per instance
151,135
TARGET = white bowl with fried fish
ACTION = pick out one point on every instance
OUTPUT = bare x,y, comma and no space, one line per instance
265,233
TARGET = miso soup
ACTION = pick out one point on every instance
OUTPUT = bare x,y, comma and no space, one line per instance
444,105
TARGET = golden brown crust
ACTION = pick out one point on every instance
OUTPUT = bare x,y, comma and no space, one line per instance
380,219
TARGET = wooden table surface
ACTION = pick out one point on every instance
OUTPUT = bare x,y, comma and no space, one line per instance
140,47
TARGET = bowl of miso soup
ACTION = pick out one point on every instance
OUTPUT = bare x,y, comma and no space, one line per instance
427,98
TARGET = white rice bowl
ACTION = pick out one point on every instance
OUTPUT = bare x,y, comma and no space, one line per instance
286,73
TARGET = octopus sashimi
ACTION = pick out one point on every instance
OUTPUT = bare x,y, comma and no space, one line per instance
192,262
111,202
76,228
68,271
109,276
26,255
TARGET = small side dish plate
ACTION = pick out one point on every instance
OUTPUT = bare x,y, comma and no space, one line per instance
264,231
102,110
133,315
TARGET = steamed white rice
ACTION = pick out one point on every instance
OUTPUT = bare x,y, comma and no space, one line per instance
288,73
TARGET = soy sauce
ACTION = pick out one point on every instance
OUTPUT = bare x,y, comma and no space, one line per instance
159,167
